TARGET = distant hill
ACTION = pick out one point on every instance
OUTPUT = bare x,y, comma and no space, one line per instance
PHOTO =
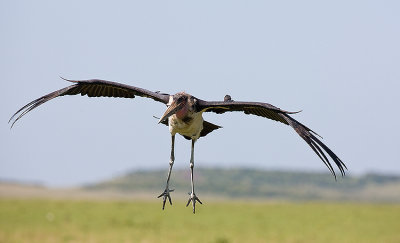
261,184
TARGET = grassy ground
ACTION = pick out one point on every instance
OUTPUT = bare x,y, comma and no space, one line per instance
48,220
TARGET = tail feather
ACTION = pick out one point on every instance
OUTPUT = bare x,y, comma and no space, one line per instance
207,127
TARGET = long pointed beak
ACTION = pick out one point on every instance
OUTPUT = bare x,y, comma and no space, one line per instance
172,109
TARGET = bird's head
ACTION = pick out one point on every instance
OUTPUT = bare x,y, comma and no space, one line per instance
180,104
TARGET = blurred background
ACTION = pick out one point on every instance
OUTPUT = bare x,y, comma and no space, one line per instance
336,61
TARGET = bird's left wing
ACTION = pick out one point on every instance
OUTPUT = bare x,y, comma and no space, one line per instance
92,88
255,108
271,112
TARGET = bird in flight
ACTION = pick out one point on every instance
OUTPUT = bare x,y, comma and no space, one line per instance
184,115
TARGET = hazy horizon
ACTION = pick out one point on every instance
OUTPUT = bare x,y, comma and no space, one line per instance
338,62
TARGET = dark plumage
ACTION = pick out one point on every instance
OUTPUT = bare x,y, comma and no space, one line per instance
184,116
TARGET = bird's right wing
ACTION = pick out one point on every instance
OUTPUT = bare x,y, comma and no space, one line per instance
92,88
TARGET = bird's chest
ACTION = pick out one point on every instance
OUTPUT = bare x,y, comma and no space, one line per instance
189,126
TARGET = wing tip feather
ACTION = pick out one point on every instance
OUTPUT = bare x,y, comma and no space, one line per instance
69,80
292,112
317,146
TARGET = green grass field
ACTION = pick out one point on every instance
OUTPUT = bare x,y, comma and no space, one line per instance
217,221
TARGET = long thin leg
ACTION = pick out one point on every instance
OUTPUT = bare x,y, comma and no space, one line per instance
193,198
166,192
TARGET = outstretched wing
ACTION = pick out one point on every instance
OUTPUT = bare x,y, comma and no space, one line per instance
271,112
91,88
255,108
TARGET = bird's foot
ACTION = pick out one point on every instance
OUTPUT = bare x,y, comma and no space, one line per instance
166,195
193,198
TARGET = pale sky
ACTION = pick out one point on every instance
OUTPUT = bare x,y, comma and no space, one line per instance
338,61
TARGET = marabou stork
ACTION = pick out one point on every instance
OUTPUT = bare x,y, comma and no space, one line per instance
184,116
